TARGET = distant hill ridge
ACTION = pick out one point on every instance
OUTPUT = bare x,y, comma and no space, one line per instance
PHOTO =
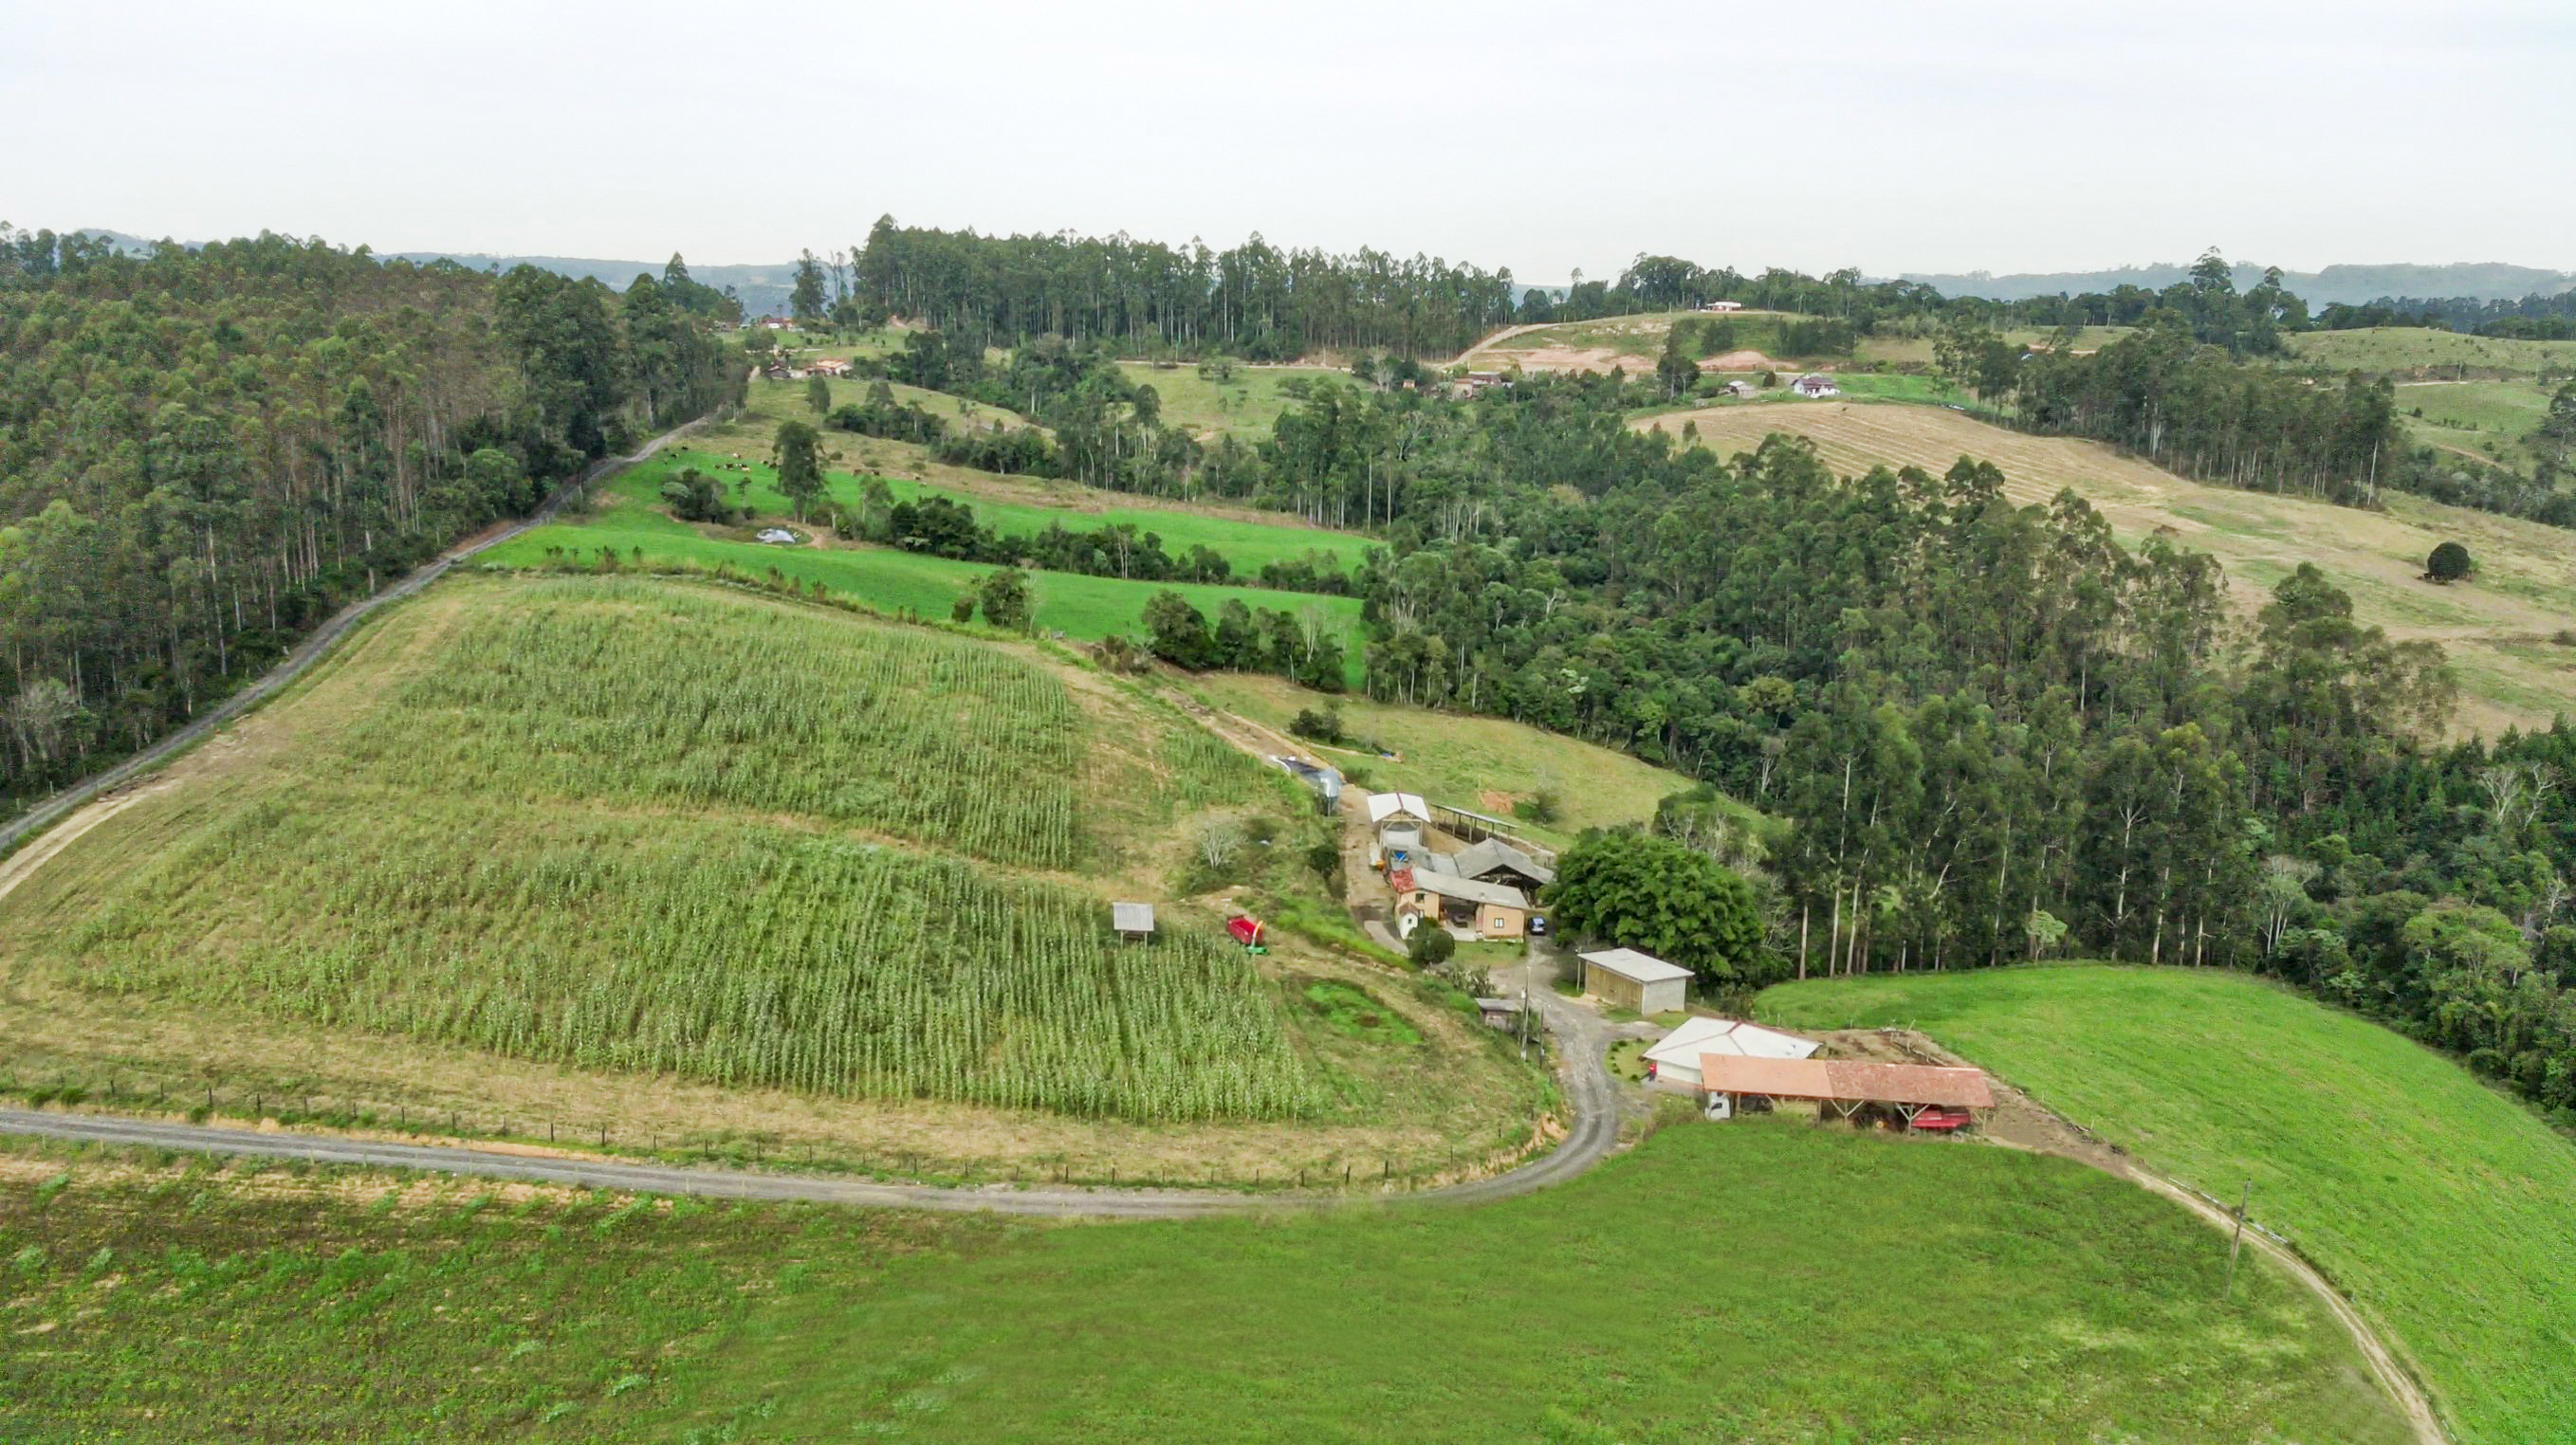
2353,285
764,288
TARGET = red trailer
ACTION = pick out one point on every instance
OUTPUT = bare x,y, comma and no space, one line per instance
1246,930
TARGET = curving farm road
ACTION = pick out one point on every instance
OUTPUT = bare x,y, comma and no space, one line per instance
1582,1037
61,805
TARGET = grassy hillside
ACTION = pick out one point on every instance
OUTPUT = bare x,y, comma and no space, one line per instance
785,873
1486,764
1020,507
561,838
1244,404
1918,349
2489,417
2437,1204
1895,1292
2417,350
1083,607
2496,629
1632,342
1635,341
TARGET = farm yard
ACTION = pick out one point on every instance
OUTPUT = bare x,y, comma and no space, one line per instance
2079,1307
2496,631
1490,765
2435,1203
761,855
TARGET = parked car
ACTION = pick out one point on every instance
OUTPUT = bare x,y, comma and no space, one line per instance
1537,926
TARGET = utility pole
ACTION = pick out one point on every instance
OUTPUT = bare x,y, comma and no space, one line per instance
2238,1242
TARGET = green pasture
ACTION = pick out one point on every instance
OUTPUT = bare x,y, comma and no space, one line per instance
1247,543
1087,608
2440,1206
2473,413
1755,1283
1245,404
2411,349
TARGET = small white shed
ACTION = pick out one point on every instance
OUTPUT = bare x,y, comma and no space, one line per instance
1134,921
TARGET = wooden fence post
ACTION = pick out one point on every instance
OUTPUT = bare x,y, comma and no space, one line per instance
2237,1241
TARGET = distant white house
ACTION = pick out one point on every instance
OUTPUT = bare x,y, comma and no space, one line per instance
1815,386
1723,306
1673,1063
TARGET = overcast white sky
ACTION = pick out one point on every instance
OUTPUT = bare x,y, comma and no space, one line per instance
1894,137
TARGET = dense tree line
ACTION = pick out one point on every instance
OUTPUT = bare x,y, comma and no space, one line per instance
942,527
1144,297
204,452
2206,304
2536,317
1301,646
1983,732
2161,394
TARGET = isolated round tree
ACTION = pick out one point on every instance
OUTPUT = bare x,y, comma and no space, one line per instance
1430,944
2449,563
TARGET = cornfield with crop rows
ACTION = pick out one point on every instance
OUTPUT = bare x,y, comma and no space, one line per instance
627,825
733,954
632,691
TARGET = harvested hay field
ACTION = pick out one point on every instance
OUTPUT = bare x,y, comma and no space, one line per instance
2496,628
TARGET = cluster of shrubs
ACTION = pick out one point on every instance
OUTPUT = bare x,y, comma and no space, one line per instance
1270,640
1011,451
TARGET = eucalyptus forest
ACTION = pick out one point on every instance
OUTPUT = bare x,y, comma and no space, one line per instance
205,451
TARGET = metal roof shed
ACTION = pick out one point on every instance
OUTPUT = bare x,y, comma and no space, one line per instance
1385,806
1629,979
1847,1086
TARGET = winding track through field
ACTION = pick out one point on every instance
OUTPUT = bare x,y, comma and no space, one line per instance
62,804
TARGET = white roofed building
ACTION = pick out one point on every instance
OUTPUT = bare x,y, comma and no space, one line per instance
1673,1063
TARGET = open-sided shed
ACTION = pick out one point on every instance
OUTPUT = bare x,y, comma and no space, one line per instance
1844,1086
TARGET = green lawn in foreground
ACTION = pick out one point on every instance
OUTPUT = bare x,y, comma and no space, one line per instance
2443,1208
1762,1282
1247,543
